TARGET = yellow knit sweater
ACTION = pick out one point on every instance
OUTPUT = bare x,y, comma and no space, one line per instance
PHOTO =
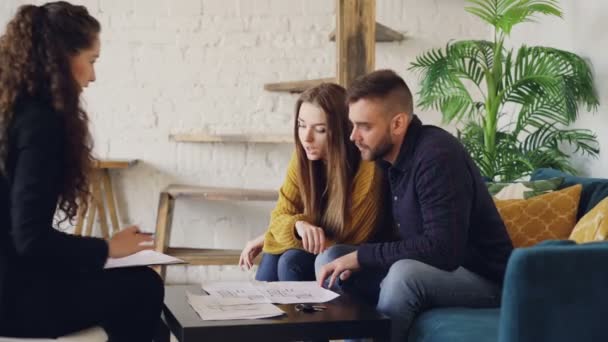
365,212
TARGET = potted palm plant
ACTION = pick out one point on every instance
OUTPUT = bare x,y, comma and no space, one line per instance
513,108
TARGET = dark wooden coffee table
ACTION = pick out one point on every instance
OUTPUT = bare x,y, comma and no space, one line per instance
344,318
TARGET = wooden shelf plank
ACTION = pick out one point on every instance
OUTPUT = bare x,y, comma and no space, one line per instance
114,163
383,34
205,256
202,137
221,194
297,86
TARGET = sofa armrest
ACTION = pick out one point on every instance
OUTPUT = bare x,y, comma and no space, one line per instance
556,291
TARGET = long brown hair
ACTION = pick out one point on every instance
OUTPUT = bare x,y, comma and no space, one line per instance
35,56
325,186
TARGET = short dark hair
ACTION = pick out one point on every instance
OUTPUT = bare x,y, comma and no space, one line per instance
382,84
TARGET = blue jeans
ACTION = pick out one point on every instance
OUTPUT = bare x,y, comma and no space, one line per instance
292,265
410,287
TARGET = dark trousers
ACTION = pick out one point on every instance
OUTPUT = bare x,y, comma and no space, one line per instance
126,302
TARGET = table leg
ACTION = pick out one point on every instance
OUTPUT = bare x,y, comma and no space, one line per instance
162,333
383,336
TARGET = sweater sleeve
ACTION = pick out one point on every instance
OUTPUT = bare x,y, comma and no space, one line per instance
38,152
367,204
281,234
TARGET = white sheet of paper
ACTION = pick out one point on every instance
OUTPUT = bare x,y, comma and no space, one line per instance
280,292
235,292
212,308
292,292
143,258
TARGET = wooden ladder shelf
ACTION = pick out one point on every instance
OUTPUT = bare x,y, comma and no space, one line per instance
297,86
200,256
384,34
355,35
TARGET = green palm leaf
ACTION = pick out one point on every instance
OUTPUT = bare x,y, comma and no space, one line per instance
548,84
504,14
541,87
443,72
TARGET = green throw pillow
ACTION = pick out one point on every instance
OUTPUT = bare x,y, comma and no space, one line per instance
538,187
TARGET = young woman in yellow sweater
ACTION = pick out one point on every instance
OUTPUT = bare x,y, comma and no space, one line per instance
329,195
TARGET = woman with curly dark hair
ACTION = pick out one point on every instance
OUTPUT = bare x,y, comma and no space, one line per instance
53,283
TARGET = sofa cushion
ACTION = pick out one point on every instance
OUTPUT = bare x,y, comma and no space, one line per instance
593,226
456,325
594,189
544,217
569,180
523,190
593,193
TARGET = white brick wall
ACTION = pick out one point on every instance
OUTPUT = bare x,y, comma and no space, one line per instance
583,31
170,66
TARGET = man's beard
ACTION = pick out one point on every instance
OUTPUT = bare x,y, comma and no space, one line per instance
383,148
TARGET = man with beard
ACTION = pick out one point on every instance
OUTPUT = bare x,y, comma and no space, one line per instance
451,247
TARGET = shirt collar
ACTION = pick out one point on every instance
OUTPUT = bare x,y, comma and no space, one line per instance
408,146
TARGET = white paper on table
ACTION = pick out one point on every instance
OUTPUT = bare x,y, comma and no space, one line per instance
211,308
143,258
235,292
292,292
280,292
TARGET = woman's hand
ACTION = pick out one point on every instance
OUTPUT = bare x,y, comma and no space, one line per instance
313,237
252,249
128,241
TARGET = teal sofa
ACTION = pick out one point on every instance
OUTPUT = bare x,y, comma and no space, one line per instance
556,291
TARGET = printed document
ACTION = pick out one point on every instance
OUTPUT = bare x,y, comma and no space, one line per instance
143,258
279,292
213,308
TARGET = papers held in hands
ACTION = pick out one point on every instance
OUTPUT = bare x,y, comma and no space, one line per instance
248,300
143,258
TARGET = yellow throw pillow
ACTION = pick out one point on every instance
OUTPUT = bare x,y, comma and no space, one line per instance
544,217
593,226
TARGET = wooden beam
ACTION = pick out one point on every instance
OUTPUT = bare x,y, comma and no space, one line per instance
202,137
114,163
164,220
297,86
220,194
356,39
97,199
201,256
108,191
383,34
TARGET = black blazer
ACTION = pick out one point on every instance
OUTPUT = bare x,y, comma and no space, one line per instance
30,248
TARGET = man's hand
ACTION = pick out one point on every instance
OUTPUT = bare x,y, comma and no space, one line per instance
342,267
313,237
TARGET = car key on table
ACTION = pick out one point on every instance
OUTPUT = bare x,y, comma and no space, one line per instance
309,308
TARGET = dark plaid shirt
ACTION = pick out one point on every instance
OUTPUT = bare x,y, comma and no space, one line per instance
442,210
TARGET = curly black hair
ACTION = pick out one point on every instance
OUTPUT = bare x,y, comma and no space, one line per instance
35,53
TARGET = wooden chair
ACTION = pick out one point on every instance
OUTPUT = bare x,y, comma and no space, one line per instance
101,191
